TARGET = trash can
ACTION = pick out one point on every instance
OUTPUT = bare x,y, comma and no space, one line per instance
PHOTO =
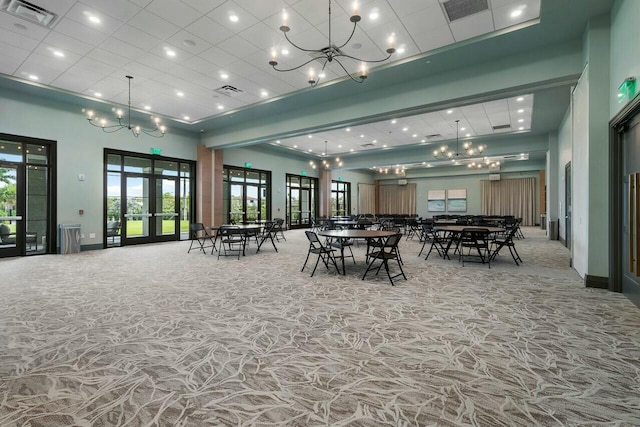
553,229
543,221
69,238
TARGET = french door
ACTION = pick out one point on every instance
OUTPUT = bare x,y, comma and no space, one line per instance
11,214
148,199
301,200
246,195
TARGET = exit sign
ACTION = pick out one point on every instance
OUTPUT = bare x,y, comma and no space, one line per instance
303,173
155,151
248,165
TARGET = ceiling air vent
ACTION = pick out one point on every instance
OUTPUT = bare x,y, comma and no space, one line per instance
367,145
29,12
434,135
502,127
228,90
458,9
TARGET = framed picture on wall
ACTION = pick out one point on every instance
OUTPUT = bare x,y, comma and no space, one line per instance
457,200
436,200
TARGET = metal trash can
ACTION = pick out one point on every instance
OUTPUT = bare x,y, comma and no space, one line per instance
553,229
543,221
69,238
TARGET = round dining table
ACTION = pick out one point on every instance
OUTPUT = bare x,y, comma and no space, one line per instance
355,234
458,229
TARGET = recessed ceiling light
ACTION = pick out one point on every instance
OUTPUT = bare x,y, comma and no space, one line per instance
405,129
264,93
181,94
278,142
233,18
58,53
374,15
310,136
361,136
285,51
322,75
400,50
33,77
98,94
224,76
516,13
348,129
521,128
147,107
92,18
339,145
384,146
520,120
423,140
415,135
375,140
351,150
394,121
463,128
169,52
220,107
449,111
468,134
295,146
521,111
310,150
187,118
520,98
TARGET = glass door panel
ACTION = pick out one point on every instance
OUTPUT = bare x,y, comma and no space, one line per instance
166,215
114,203
185,207
137,216
305,207
236,213
11,220
251,203
36,218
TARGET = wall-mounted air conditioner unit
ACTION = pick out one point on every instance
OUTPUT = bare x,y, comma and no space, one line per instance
494,177
402,182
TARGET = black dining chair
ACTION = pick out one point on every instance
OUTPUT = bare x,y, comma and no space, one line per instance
498,243
268,233
476,242
200,236
232,241
387,251
325,253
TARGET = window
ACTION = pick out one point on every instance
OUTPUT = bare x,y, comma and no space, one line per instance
340,198
246,195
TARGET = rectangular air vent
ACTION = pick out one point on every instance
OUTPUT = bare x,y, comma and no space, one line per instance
458,9
502,127
29,12
434,135
367,145
494,177
228,90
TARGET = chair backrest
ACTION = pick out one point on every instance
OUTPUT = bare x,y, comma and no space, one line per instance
477,235
314,241
195,228
392,241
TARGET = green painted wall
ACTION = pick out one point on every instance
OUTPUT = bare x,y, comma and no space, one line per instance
625,48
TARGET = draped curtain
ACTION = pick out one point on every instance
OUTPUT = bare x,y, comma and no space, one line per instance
366,198
515,197
398,199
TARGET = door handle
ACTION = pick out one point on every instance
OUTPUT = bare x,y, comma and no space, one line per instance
11,218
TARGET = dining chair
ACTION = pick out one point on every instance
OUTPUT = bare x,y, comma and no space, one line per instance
267,233
441,240
475,240
232,240
387,251
279,229
325,253
498,243
199,234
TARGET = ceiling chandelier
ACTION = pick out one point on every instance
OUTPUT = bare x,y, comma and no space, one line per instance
326,162
486,163
330,53
157,132
398,170
445,154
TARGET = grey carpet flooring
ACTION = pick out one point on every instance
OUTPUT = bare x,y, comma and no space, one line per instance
153,336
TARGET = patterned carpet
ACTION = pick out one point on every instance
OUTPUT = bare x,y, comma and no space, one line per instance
151,336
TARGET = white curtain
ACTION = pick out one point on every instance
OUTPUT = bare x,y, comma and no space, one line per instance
515,197
398,199
366,198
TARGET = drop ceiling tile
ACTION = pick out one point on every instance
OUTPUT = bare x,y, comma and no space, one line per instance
315,12
9,22
108,58
160,63
135,37
502,15
77,79
221,16
154,25
189,42
81,13
92,64
174,11
121,48
262,36
218,56
80,32
139,70
434,39
238,47
18,40
69,58
203,6
425,19
109,87
409,7
208,30
296,22
12,57
141,3
121,10
472,26
262,9
47,71
385,13
67,44
200,65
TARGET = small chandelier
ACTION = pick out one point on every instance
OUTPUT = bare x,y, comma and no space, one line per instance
445,154
157,132
330,53
397,169
486,163
326,162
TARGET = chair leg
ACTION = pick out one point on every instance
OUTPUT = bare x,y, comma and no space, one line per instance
316,266
515,257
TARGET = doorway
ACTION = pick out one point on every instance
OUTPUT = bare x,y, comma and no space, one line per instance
302,200
148,199
567,204
247,197
26,203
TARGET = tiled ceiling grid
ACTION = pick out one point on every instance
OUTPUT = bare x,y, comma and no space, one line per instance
95,43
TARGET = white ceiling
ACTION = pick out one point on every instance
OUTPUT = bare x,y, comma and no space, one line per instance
133,38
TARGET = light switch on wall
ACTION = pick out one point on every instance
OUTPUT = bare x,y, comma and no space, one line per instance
80,177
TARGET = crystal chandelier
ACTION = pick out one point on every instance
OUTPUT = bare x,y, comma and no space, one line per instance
445,154
157,132
326,162
486,163
331,53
